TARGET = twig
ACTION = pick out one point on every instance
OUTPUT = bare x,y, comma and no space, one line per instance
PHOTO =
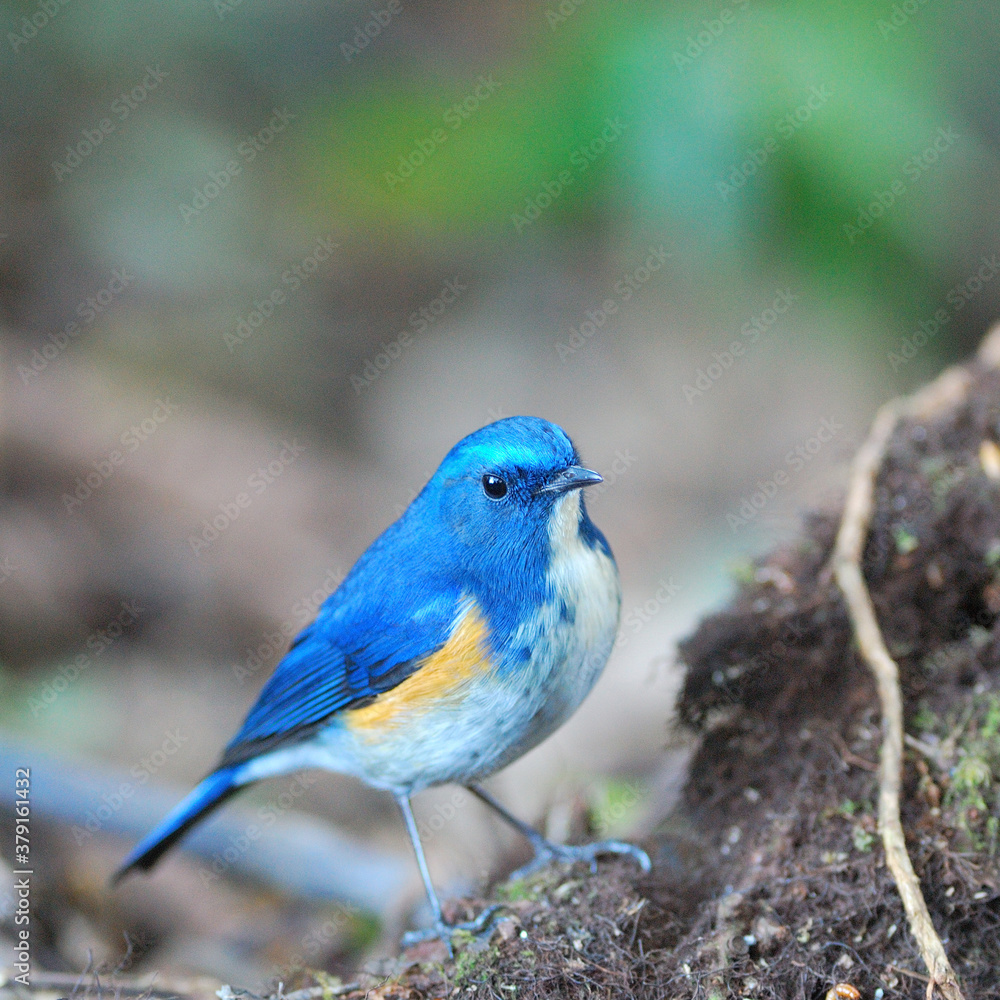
907,972
83,975
847,756
933,754
850,578
66,983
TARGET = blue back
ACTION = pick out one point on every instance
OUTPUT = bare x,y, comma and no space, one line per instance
401,599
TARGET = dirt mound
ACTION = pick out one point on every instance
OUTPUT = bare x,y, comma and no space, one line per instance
790,713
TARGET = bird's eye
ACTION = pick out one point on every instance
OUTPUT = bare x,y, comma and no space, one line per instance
494,487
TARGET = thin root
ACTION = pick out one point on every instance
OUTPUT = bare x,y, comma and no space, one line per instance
945,391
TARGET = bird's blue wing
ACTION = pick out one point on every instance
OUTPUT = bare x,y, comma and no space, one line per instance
354,651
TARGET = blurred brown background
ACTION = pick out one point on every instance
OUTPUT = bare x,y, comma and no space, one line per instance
299,250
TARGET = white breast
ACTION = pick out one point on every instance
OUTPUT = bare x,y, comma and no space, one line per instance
572,634
584,577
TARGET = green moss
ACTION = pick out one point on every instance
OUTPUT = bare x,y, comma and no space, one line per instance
742,571
863,840
972,791
365,931
519,890
860,833
615,807
969,778
905,540
333,986
943,477
465,966
991,723
473,961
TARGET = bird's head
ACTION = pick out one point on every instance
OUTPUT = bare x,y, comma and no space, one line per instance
507,484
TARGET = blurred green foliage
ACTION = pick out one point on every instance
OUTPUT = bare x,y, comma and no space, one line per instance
697,157
761,140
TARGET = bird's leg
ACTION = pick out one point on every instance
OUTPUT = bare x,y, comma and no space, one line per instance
547,850
440,929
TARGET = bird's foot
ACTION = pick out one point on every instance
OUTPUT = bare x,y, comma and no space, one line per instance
548,851
482,926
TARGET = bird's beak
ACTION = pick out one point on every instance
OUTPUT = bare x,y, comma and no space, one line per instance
573,478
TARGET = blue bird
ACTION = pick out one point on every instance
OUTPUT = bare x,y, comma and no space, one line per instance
470,630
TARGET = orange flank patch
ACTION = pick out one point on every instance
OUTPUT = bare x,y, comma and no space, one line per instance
442,674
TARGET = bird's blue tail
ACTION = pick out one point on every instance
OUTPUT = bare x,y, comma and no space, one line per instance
212,792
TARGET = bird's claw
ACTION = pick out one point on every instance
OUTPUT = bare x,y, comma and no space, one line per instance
482,925
582,852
